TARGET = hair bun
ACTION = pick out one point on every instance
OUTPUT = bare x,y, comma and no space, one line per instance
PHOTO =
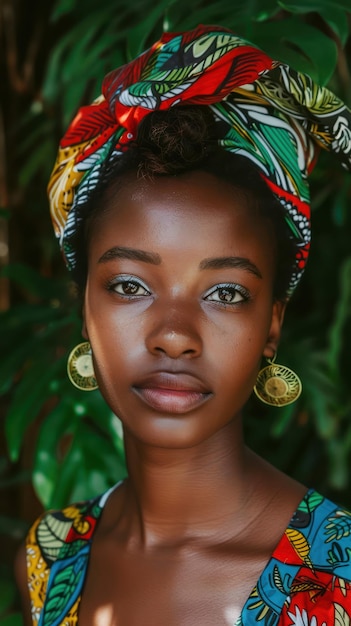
174,139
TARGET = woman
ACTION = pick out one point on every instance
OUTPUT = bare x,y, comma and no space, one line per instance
181,202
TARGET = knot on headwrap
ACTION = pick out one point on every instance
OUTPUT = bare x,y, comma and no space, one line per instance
271,114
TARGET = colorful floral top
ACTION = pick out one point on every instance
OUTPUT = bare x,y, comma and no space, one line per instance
306,582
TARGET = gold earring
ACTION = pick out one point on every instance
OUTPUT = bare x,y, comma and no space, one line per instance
80,368
277,385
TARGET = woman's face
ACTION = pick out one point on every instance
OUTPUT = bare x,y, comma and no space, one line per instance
178,305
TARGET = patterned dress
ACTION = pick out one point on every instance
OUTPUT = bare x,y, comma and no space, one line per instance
306,582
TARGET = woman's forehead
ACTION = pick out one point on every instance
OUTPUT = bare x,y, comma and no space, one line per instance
193,193
194,213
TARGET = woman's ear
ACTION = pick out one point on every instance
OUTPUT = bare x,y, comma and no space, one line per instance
278,313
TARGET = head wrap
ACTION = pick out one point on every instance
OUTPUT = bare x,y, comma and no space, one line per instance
275,116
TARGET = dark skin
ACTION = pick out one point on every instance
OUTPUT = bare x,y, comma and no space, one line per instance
179,309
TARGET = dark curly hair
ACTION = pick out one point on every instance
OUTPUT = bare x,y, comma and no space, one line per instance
174,142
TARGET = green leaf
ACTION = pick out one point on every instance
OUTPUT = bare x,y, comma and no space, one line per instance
14,619
92,463
342,315
29,397
337,19
62,7
27,277
32,131
46,468
283,420
338,465
7,595
307,6
23,350
102,416
71,473
236,15
300,45
37,163
263,11
20,318
68,69
139,33
339,205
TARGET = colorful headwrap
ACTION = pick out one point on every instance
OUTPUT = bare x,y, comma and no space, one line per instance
276,117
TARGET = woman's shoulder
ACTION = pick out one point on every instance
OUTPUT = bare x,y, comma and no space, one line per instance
308,579
55,528
57,550
320,531
320,536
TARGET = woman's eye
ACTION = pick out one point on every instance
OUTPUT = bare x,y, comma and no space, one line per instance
227,294
129,288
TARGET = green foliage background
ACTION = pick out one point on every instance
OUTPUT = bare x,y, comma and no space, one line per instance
78,450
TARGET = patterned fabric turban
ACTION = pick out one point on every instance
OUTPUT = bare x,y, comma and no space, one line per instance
276,117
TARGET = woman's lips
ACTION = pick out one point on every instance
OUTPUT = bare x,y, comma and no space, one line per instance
171,400
172,393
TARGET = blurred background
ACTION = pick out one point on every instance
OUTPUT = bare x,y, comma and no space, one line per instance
58,444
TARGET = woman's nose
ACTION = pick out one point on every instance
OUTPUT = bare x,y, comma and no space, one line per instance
176,333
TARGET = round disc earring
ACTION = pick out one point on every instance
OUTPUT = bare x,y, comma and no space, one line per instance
277,385
80,368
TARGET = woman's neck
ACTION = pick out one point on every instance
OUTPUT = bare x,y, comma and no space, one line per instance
178,495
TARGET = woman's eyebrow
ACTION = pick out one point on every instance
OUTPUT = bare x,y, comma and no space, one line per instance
119,252
219,263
